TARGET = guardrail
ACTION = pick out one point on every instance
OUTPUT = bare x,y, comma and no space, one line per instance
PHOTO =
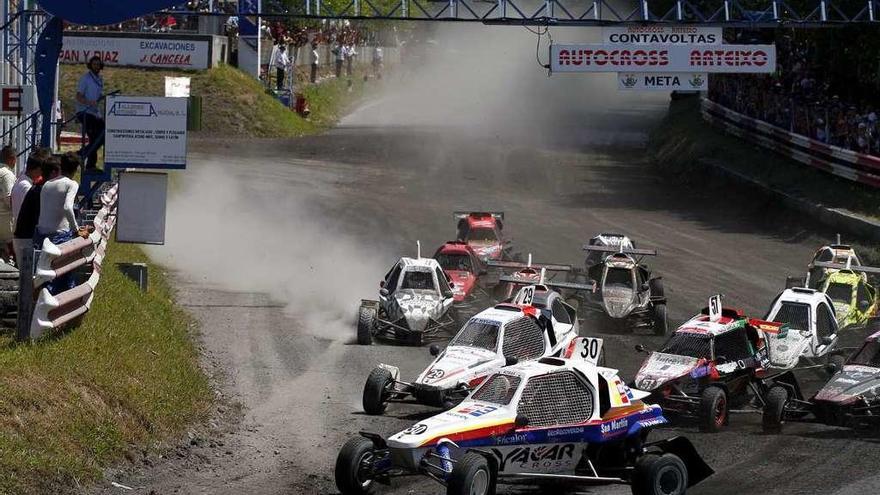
53,311
844,163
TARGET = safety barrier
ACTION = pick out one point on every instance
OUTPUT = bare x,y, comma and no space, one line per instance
56,260
843,163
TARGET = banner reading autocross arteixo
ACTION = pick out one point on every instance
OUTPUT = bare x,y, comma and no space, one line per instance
600,57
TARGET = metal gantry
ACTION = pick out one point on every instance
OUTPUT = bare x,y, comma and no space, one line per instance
727,13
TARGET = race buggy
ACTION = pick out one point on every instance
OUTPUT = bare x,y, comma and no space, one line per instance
527,273
715,360
538,324
624,291
812,337
481,230
415,304
546,422
856,302
850,398
834,253
466,271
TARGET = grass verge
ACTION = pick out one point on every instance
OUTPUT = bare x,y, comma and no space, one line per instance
683,140
128,375
233,103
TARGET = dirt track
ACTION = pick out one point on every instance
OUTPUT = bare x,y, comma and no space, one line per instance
316,222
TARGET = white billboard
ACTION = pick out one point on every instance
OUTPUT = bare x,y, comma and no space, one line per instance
600,57
660,81
145,132
661,35
139,52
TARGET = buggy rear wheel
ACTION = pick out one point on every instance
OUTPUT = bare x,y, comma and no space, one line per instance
774,407
376,391
661,322
659,475
471,475
656,285
713,409
366,325
351,475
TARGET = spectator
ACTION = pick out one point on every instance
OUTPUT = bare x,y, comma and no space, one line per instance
33,174
29,214
339,52
90,91
378,59
57,220
8,156
349,58
314,60
281,63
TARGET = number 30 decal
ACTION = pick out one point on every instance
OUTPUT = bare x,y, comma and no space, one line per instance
588,349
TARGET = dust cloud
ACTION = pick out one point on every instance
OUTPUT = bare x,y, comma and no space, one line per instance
233,235
228,230
487,81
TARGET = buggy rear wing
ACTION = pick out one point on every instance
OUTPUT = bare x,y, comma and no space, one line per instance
550,283
612,249
516,265
854,268
461,215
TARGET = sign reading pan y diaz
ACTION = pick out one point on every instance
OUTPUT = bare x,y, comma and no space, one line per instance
145,132
139,52
599,57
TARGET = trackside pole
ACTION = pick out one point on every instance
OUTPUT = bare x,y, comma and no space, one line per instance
25,296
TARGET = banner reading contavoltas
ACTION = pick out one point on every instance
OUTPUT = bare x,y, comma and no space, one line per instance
139,52
598,57
662,35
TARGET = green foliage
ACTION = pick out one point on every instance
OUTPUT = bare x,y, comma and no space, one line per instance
77,400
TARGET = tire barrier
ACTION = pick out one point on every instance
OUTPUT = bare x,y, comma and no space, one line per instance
857,167
53,311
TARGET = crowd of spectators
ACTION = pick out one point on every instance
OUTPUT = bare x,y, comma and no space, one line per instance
800,97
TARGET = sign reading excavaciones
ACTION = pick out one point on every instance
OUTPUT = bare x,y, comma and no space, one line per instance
139,52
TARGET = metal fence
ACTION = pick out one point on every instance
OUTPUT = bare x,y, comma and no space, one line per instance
844,163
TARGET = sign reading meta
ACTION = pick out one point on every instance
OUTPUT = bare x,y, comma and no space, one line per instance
602,57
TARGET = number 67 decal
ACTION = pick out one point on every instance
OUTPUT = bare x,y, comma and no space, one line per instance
586,348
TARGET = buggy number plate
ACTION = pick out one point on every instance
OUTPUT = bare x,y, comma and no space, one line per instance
588,349
526,295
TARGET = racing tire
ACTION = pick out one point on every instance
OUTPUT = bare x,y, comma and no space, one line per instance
713,409
349,478
366,325
471,475
656,285
774,407
661,321
659,475
837,360
376,390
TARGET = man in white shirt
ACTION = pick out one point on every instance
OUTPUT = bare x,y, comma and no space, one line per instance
57,220
281,63
350,53
32,174
8,156
339,51
314,61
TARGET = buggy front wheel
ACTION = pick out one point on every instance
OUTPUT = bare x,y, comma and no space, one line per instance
471,475
659,475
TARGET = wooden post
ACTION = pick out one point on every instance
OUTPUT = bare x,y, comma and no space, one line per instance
25,295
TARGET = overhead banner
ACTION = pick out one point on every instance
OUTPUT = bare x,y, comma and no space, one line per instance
599,57
138,52
658,81
145,132
661,35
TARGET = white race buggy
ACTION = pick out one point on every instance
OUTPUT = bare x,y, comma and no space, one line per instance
812,336
551,421
537,324
415,304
